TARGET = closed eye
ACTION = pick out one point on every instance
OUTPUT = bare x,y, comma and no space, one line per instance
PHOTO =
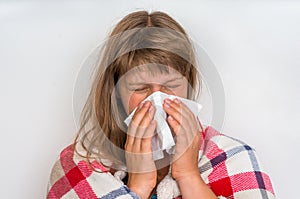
173,86
141,89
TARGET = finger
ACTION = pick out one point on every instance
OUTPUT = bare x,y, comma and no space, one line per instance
177,114
140,112
148,117
185,134
180,107
137,130
144,124
147,138
136,119
176,109
181,125
175,125
175,120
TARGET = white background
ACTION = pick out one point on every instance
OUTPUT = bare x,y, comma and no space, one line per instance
255,46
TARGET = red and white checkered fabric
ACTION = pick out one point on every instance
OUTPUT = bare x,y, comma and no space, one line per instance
227,165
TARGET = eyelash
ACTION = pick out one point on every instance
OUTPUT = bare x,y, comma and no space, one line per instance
173,86
145,88
140,89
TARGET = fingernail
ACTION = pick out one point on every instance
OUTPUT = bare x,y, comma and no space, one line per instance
171,118
176,101
147,104
168,101
151,110
141,105
167,105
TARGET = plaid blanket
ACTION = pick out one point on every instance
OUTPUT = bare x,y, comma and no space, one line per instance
228,166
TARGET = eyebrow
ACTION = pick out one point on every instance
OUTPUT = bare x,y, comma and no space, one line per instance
143,83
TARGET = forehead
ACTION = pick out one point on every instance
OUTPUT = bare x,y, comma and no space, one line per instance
151,73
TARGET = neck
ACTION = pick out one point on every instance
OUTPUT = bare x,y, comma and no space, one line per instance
161,173
164,167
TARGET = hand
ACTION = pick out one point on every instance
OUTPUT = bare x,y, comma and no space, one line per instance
142,172
186,129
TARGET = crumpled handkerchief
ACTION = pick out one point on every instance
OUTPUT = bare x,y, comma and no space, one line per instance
163,138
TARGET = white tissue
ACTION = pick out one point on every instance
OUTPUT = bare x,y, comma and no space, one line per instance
163,139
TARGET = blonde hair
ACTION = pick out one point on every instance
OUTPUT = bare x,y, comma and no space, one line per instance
139,38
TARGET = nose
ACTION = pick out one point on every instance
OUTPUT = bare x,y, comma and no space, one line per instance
161,88
156,88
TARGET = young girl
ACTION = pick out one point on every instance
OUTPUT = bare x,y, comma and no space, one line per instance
145,53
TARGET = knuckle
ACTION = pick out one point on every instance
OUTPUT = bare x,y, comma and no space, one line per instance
127,147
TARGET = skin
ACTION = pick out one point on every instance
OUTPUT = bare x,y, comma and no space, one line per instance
143,176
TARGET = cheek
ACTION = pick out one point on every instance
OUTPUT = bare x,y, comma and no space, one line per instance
134,101
181,92
130,100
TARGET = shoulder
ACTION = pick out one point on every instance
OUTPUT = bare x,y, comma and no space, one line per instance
225,162
68,171
74,177
215,143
